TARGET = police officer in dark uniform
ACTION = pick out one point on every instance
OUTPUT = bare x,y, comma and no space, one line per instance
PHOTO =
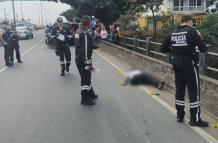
62,37
182,44
85,43
6,38
14,44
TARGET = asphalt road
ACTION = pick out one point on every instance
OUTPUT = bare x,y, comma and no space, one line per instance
39,106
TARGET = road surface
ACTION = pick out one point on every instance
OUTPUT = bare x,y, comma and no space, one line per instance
39,106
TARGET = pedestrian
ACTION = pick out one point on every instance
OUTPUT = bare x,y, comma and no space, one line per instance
182,44
85,43
14,45
103,33
62,38
6,40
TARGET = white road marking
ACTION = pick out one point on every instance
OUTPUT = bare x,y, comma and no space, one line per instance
198,130
27,51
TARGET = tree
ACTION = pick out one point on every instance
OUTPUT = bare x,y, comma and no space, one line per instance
210,2
71,14
209,30
154,6
106,10
128,20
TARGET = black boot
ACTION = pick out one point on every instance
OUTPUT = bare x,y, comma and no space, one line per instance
180,116
9,64
86,100
19,61
94,97
62,72
67,68
180,119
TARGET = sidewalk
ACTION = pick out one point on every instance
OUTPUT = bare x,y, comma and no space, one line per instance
166,96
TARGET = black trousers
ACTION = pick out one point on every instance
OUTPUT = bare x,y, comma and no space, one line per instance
15,47
187,75
7,51
86,86
144,79
64,54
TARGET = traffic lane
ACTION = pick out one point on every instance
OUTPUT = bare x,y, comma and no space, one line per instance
156,122
24,45
37,105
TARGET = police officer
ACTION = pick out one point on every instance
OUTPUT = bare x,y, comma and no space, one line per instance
85,43
14,45
62,37
6,40
182,44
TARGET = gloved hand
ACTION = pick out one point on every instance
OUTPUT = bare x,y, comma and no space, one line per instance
89,67
5,44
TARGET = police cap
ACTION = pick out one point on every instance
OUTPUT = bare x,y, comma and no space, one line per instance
186,18
59,19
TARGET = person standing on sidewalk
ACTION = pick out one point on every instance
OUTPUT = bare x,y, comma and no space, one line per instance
182,44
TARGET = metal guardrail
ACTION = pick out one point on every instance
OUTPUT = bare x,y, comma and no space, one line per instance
149,47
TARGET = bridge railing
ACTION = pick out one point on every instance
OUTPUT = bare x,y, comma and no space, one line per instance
152,49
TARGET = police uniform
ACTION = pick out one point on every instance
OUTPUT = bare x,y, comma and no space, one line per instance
7,47
182,44
62,47
14,44
85,43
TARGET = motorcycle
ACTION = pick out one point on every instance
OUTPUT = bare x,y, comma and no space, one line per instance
50,40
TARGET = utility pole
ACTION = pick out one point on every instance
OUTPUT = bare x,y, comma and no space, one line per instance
14,12
21,6
42,12
5,14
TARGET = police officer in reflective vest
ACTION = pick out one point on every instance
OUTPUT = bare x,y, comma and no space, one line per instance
182,43
85,43
62,37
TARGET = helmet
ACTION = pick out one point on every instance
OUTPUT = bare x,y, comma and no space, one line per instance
59,19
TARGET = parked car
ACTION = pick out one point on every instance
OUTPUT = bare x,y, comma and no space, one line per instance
1,32
24,33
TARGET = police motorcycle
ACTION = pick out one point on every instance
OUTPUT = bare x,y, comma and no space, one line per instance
49,39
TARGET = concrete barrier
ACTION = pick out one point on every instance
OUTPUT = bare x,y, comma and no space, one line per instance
209,86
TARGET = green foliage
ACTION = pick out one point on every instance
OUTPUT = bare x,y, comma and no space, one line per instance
128,20
209,29
153,5
71,14
106,10
167,25
210,2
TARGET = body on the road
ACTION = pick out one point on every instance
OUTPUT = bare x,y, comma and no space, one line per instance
182,43
137,77
61,34
84,42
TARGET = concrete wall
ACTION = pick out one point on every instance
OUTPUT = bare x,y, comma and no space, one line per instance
209,86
